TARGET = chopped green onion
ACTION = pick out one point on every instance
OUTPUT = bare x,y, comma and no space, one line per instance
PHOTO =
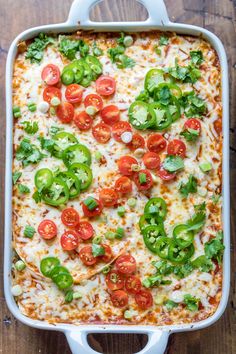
55,101
77,295
128,314
97,156
146,282
91,110
97,239
205,167
159,299
29,231
52,111
132,202
110,235
69,296
142,178
16,109
106,269
32,107
128,41
120,233
20,265
121,211
16,112
169,304
90,203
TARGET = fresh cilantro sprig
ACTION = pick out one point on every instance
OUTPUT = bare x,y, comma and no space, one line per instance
173,163
189,187
185,74
69,48
193,105
214,248
35,49
118,56
30,128
196,57
28,153
191,302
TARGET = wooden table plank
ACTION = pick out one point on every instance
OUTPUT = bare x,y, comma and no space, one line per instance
217,16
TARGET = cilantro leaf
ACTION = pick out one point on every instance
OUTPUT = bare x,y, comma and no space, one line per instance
196,57
28,153
97,250
30,128
155,280
189,187
214,248
191,302
182,271
37,197
193,105
120,40
69,48
29,231
96,50
162,267
197,221
163,40
173,163
114,53
54,130
125,62
47,144
203,263
35,49
169,304
16,176
164,95
23,189
186,74
190,134
215,198
200,207
143,96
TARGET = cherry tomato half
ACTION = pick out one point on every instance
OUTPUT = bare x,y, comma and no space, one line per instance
125,165
70,217
83,121
74,93
84,230
151,160
108,197
86,256
176,147
114,280
137,142
65,112
69,240
145,185
156,143
47,229
93,100
50,92
50,74
193,123
144,299
165,175
119,128
96,211
108,253
105,85
126,264
123,185
133,284
119,298
102,133
110,114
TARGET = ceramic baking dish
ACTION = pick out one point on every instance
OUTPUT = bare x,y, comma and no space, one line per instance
79,19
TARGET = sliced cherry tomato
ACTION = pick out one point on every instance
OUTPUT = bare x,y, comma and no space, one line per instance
126,264
108,253
50,74
156,143
193,123
136,143
133,284
69,240
151,160
93,100
84,230
102,133
144,299
96,211
110,114
165,175
86,256
70,217
119,128
50,92
83,121
65,112
145,183
108,197
119,298
47,229
123,185
176,147
74,93
114,280
125,165
105,85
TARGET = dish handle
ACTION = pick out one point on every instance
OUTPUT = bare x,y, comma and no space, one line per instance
80,9
157,341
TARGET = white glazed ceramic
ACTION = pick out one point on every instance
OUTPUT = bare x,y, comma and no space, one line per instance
79,19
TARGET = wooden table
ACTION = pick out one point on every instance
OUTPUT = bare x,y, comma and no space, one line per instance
217,16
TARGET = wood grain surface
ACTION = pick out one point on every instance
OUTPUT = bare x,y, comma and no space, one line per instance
219,17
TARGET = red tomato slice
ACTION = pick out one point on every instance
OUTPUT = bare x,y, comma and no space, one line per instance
102,133
193,123
133,284
123,185
156,143
108,253
93,100
105,85
65,112
119,128
176,147
96,211
108,197
50,92
47,229
69,240
165,175
137,142
74,93
50,74
86,256
151,160
119,298
110,114
83,121
84,230
144,299
126,264
146,185
125,165
70,217
114,280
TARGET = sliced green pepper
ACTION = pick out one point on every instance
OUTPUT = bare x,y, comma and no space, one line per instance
153,78
150,236
77,68
94,64
149,219
43,179
48,264
156,206
141,115
58,270
83,173
182,236
76,153
88,74
72,182
162,247
67,77
163,117
62,141
174,89
57,193
178,255
63,280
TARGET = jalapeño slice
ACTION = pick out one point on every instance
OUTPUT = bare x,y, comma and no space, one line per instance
153,78
63,280
162,247
182,236
178,255
48,264
150,236
94,64
62,141
43,178
76,153
163,118
141,115
72,182
57,193
156,206
83,173
149,219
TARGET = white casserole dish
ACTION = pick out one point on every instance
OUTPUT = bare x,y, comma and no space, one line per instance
79,19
